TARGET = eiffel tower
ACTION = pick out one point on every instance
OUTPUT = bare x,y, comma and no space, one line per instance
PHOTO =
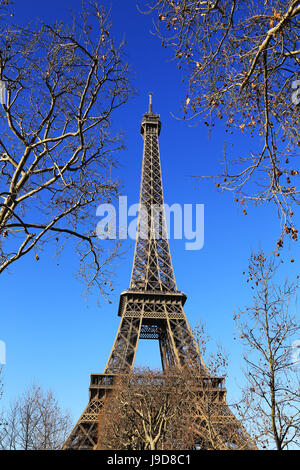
152,307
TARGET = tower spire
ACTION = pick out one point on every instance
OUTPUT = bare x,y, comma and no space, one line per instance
152,265
150,103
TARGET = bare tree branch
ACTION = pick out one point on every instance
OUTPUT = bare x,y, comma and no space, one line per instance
57,146
241,60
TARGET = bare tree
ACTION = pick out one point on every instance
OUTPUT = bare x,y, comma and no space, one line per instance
35,422
268,329
241,60
61,85
141,411
180,409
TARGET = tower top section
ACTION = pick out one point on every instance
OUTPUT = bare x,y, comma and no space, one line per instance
150,122
152,269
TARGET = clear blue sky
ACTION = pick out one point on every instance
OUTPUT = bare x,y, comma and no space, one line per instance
52,335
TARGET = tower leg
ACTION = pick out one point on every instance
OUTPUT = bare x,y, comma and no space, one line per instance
84,434
124,349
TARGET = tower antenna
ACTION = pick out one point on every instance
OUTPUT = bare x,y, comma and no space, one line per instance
150,103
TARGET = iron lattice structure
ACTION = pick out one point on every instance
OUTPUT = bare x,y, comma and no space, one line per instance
152,307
